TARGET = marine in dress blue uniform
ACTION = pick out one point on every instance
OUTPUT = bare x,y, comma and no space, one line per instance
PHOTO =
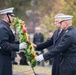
7,41
66,46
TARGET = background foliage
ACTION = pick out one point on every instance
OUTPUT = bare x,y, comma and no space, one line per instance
40,12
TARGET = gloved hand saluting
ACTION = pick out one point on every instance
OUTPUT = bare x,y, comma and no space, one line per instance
40,58
23,45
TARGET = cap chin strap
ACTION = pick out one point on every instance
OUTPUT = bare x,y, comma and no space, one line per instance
8,18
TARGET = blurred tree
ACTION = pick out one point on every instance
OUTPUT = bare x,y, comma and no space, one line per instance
20,7
47,23
41,12
72,7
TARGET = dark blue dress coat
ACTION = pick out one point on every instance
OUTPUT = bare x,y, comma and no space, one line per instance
66,46
53,41
6,46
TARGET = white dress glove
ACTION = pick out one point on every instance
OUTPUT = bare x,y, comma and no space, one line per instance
22,45
40,58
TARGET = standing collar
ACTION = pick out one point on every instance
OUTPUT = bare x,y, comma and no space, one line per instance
71,27
5,23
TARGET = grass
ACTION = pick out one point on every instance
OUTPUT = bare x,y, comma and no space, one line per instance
28,70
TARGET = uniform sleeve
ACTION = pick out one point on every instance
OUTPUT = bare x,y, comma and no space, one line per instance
45,44
4,41
63,45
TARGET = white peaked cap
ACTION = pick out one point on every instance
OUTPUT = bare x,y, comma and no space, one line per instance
37,28
59,14
65,17
8,10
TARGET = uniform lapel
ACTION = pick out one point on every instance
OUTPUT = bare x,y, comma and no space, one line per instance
56,35
60,35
